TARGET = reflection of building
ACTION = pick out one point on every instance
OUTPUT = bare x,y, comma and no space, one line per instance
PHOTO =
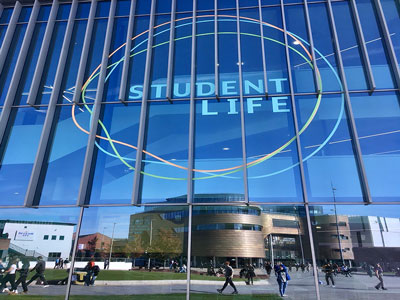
333,238
30,238
374,238
94,241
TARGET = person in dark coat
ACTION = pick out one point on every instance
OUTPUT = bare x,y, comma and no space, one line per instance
228,279
40,267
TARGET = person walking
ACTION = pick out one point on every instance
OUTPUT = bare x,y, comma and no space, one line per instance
40,267
250,274
10,274
106,264
228,279
268,268
282,276
379,274
23,274
328,269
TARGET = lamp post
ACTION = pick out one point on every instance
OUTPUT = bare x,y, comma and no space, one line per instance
337,224
112,242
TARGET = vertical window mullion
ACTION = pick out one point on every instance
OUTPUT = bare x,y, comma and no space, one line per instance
263,48
363,47
350,116
143,112
216,64
128,44
388,42
9,34
87,165
85,52
243,133
37,76
19,68
48,123
171,51
312,52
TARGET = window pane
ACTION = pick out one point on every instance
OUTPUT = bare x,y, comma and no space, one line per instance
25,242
115,154
349,242
128,242
18,153
377,117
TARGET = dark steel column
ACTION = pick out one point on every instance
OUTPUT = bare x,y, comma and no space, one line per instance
19,68
350,116
125,68
263,48
143,112
363,46
242,125
171,52
37,76
87,165
216,64
85,52
48,123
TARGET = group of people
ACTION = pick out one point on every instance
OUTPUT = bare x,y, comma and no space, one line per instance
21,266
61,263
174,266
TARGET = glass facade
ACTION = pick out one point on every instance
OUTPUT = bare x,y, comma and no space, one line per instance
145,144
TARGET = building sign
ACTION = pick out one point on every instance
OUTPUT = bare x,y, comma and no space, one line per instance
24,236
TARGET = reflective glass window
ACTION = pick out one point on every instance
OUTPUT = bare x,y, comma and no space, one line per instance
205,5
123,8
44,12
324,49
25,14
26,242
375,45
63,11
164,6
18,153
102,8
377,117
350,50
3,30
51,64
164,176
115,154
183,5
61,173
6,15
9,65
30,64
143,7
328,157
392,13
272,159
274,47
218,158
133,246
83,10
356,249
159,67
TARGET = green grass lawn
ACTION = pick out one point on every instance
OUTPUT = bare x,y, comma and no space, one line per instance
152,297
135,275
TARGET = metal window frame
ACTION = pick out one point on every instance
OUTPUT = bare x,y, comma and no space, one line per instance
317,85
363,46
216,59
8,37
37,76
171,52
50,115
388,42
241,101
125,67
264,63
88,162
19,66
85,52
350,117
143,112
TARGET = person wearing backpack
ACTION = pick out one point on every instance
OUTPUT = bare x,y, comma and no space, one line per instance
282,276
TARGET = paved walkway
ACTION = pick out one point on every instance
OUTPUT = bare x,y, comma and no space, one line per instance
301,287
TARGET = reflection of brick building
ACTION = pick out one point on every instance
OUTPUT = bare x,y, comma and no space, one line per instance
94,241
331,238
